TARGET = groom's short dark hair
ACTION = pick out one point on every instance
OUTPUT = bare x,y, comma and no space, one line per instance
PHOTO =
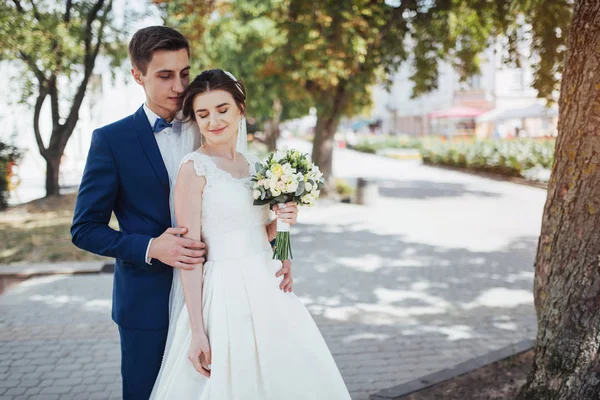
148,40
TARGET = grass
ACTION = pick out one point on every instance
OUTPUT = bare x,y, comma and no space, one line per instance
39,231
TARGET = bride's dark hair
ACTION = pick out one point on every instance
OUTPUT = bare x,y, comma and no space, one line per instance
212,79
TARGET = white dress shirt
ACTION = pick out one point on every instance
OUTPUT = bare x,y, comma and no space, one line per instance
172,148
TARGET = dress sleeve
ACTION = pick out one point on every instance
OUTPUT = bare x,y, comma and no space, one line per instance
198,164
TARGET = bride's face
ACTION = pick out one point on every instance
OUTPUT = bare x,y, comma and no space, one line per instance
217,116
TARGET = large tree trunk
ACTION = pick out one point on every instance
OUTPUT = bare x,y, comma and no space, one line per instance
567,267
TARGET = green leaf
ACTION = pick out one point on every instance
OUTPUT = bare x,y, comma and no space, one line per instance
300,189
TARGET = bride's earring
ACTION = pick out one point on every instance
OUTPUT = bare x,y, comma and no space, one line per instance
239,126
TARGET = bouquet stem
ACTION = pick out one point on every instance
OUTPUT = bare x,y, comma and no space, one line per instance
283,249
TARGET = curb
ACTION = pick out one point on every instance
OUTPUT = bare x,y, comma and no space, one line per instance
25,271
397,392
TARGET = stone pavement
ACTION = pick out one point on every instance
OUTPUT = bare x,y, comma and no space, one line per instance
437,272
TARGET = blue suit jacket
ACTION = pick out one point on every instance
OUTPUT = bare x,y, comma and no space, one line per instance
125,173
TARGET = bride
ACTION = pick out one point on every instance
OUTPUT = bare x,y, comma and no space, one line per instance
238,336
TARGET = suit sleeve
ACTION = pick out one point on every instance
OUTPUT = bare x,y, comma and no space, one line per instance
95,203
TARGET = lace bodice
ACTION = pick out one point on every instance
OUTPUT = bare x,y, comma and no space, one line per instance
228,214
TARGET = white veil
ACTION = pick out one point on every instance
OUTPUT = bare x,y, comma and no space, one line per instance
190,141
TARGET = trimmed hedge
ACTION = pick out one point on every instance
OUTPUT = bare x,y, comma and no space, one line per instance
507,157
374,143
525,157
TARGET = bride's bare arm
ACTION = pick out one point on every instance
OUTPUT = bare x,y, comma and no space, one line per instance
188,211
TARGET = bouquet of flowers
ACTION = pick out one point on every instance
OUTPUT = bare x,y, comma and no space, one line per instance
283,177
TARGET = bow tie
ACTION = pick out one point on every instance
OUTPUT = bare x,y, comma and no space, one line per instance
161,124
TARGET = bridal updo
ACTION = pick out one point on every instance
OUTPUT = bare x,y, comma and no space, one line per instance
212,79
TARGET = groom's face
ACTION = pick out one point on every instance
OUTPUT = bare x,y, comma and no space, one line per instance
167,76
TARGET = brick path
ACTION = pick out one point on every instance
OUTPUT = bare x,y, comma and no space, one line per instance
439,271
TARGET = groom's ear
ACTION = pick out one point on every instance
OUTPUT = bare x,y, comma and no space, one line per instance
137,75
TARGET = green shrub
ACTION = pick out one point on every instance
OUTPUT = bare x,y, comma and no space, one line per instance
373,143
507,157
8,155
343,188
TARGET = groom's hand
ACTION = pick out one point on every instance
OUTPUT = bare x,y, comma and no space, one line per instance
176,251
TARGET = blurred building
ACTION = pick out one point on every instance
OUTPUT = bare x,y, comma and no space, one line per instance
500,102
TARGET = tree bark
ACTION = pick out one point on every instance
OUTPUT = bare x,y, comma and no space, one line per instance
328,119
273,125
323,145
567,266
52,171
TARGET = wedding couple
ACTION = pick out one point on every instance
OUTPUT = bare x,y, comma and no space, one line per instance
202,309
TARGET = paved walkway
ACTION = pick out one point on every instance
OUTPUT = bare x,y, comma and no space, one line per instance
439,271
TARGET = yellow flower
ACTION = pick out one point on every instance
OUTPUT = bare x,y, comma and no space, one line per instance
277,170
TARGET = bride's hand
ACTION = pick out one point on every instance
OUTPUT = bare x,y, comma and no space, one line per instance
199,354
286,270
287,214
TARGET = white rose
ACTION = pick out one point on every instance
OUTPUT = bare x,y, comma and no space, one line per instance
279,155
285,178
292,186
288,169
275,192
256,194
308,187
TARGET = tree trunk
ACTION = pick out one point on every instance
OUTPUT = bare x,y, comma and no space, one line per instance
328,119
567,266
323,145
273,125
52,173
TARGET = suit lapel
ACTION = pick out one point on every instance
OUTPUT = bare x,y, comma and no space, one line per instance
148,141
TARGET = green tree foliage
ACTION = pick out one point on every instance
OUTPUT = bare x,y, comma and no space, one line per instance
242,37
56,45
335,50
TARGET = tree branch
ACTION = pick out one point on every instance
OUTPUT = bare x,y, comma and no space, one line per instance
18,5
53,92
89,62
39,102
36,13
396,15
91,17
67,17
31,64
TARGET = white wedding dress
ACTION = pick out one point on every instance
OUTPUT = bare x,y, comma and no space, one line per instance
264,343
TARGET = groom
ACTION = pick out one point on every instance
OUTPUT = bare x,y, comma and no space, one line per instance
130,167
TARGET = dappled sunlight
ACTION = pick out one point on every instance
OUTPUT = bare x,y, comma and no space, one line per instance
504,322
520,276
366,263
375,314
98,305
501,298
366,336
32,284
452,333
103,305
